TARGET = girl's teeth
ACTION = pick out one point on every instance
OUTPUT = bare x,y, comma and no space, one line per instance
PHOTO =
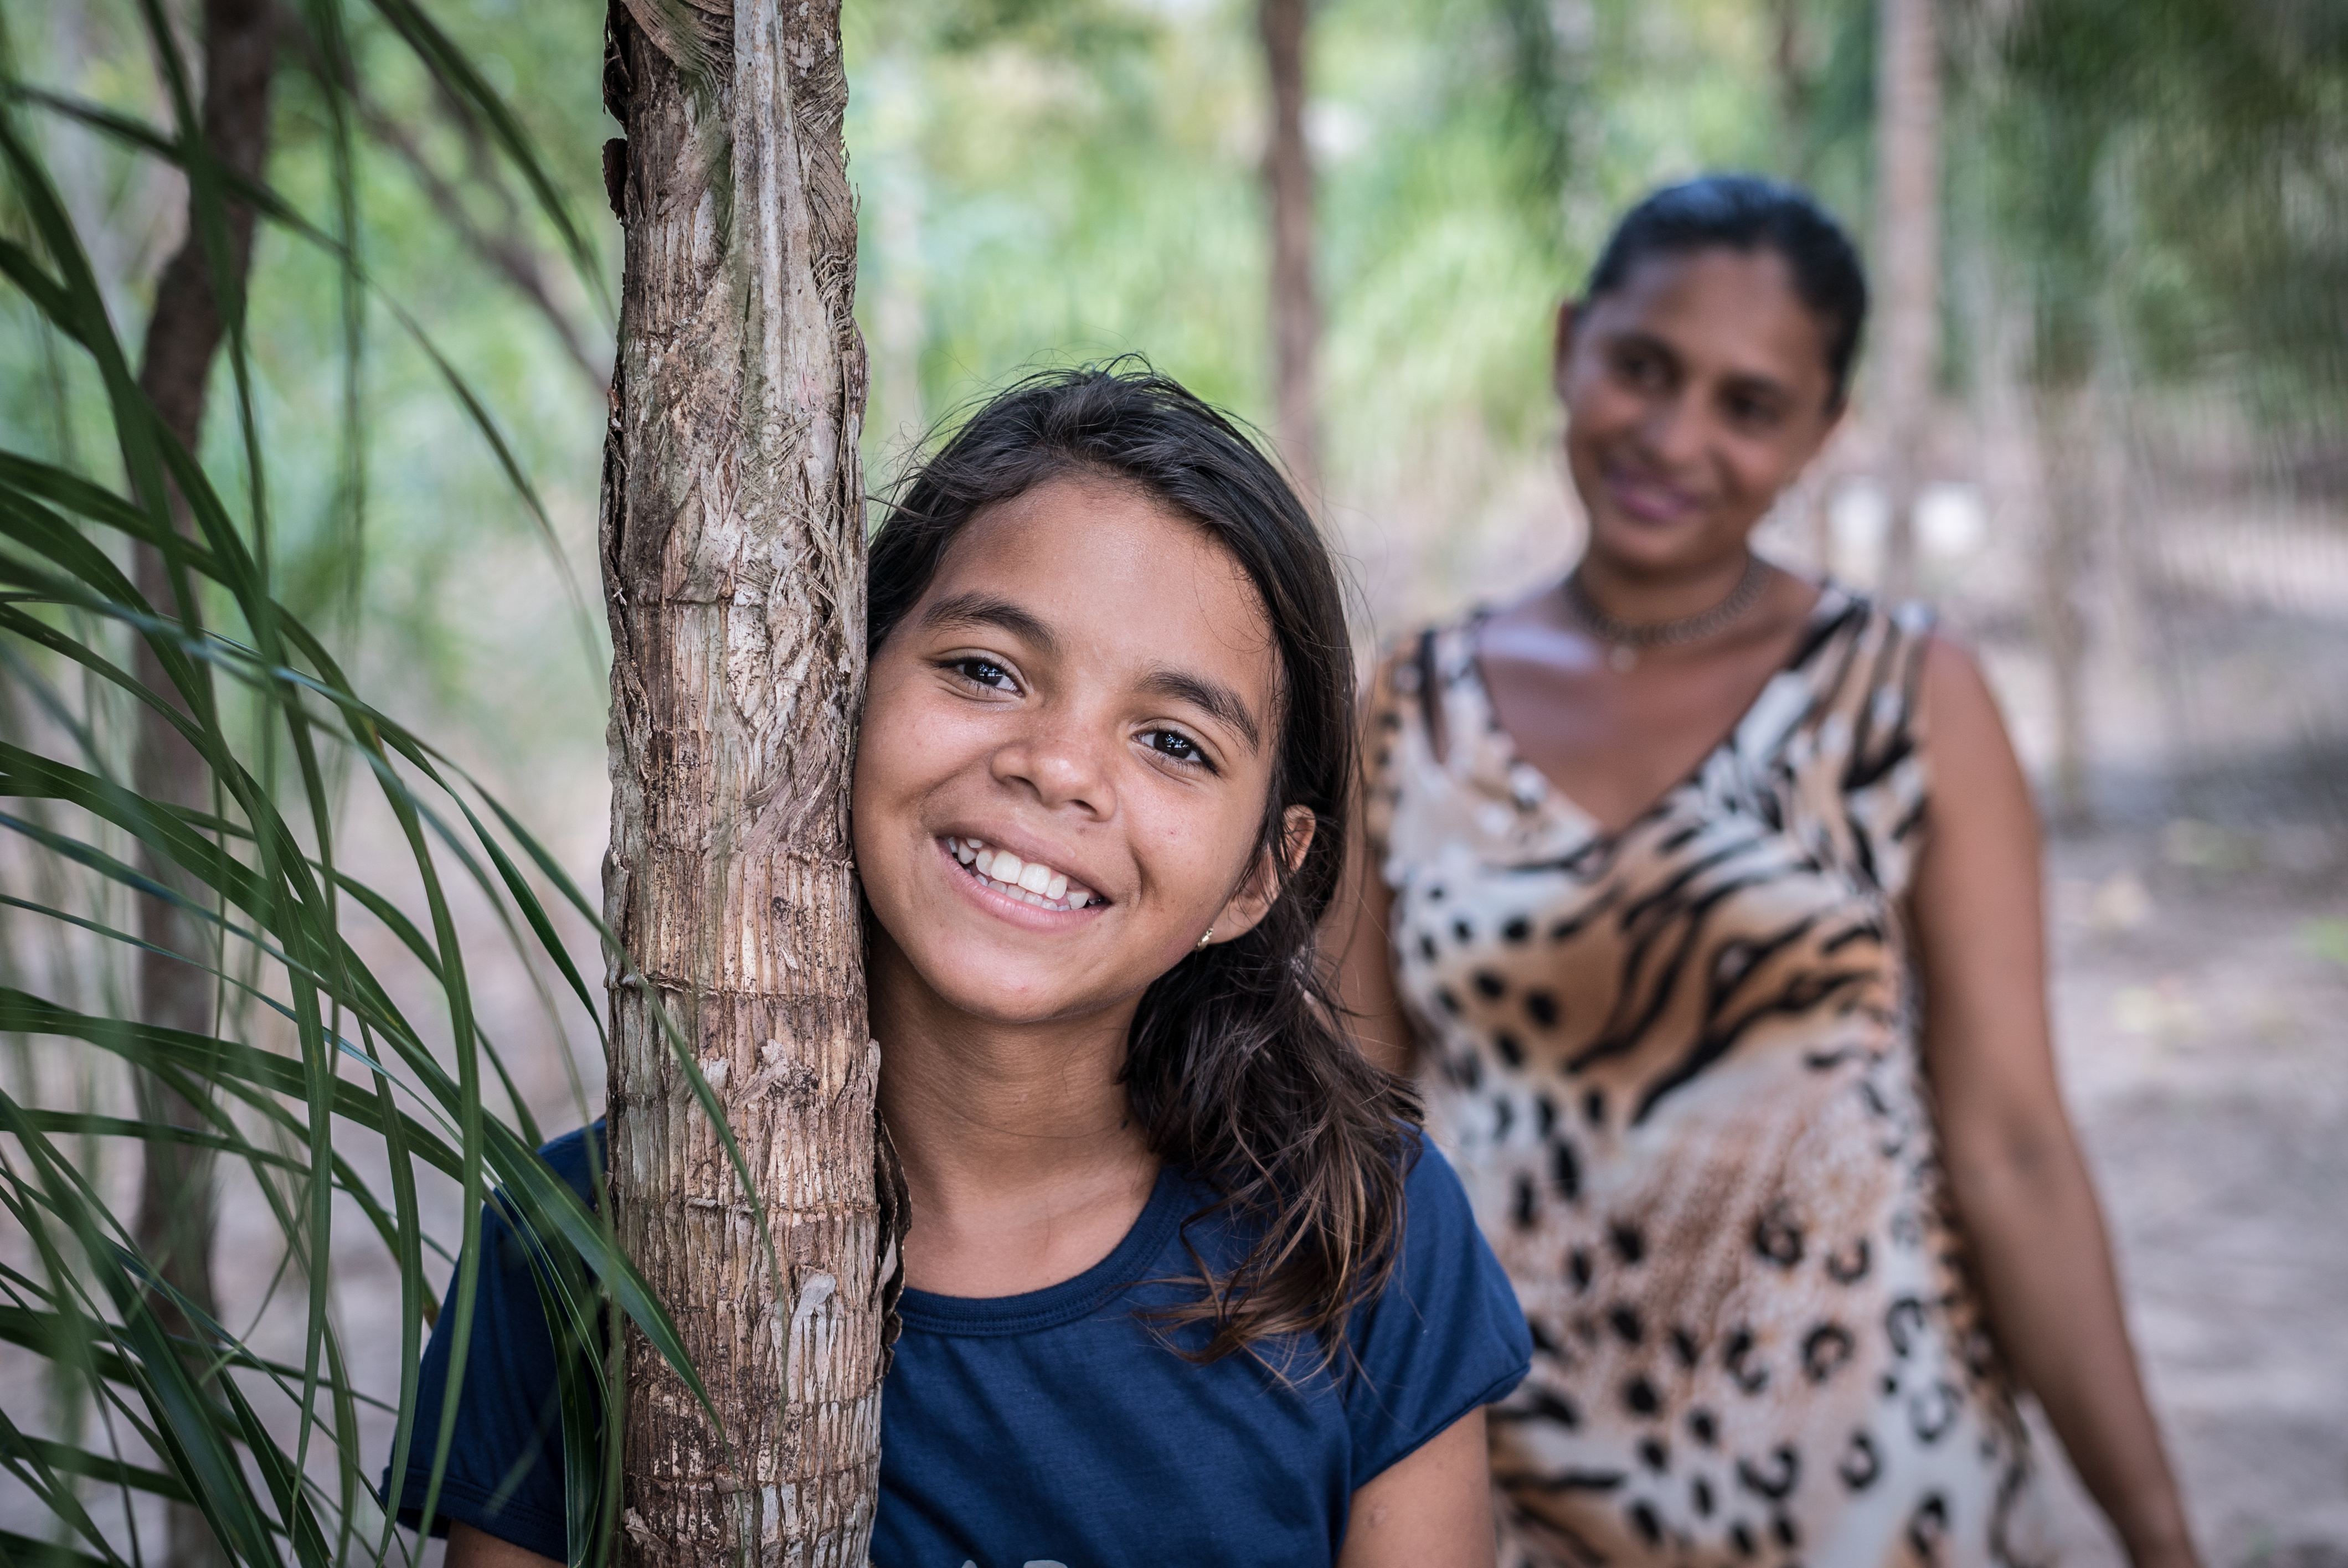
1027,881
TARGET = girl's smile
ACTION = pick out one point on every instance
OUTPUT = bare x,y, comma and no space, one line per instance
1065,763
1018,885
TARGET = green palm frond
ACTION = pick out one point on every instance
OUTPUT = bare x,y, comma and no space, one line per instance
332,1085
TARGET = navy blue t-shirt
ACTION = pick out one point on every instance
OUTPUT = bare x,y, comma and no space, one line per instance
1059,1425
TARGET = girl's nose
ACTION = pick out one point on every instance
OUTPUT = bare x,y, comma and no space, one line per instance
1061,762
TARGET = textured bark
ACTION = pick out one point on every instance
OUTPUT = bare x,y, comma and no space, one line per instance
734,569
1907,262
1288,191
174,1224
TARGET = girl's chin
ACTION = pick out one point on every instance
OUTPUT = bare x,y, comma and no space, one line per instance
1011,1001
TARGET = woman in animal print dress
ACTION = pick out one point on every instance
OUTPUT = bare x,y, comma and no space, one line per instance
1704,902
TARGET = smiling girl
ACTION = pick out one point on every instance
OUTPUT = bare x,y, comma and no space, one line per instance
1183,1285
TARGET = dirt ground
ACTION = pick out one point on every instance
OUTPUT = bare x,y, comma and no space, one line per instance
2202,998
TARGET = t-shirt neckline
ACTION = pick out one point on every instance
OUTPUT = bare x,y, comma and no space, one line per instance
1171,1198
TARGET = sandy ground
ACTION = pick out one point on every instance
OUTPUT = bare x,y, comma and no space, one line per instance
2202,1000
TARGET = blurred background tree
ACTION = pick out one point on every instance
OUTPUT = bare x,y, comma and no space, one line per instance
2130,484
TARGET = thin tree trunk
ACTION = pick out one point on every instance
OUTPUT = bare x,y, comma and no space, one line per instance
2067,542
175,1220
733,551
1907,262
510,253
1288,189
1796,92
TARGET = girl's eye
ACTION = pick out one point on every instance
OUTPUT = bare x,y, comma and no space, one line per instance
983,673
1176,746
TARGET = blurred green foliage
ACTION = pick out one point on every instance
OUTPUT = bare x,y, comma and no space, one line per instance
1047,180
2173,188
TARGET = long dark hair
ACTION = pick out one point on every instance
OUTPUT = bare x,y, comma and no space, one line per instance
1239,1066
1746,212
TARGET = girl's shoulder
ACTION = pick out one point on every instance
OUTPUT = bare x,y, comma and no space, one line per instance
1445,1335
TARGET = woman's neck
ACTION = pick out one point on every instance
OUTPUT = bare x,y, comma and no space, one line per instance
1643,597
1021,1151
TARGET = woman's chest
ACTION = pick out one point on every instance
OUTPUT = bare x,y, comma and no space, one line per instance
1618,972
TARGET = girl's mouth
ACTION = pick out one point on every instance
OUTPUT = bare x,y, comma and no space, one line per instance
1029,881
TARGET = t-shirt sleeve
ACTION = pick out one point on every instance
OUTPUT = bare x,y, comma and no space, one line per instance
505,1458
1445,1337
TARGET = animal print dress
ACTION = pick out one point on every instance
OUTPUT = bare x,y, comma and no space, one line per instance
1677,1068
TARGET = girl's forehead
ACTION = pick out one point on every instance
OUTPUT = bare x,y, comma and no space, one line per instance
1109,560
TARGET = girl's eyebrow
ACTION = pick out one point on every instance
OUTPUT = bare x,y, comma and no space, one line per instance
986,610
1212,697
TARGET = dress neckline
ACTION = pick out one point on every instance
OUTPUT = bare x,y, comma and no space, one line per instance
1529,783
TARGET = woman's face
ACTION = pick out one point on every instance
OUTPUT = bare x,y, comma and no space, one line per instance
1694,394
1066,752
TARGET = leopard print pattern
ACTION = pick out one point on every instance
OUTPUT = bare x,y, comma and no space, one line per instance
1677,1068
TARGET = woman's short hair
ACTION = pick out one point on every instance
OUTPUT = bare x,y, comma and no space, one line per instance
1746,212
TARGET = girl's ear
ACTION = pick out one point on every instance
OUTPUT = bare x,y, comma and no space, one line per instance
1248,906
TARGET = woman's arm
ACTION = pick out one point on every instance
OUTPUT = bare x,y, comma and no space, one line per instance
471,1548
1430,1509
1353,936
2021,1187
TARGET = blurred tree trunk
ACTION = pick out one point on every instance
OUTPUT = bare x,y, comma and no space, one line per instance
2069,483
1796,92
1907,263
193,302
733,548
1288,190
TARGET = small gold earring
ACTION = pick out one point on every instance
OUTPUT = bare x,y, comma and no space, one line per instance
1207,937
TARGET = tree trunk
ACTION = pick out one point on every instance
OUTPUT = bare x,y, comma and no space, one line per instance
733,548
1907,262
175,1220
1288,189
1796,92
2067,449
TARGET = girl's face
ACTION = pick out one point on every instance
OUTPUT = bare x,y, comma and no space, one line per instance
1694,394
1067,749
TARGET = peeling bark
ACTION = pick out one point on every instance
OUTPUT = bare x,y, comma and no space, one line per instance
733,548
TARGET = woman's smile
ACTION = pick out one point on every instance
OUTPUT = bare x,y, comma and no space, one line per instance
1646,498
